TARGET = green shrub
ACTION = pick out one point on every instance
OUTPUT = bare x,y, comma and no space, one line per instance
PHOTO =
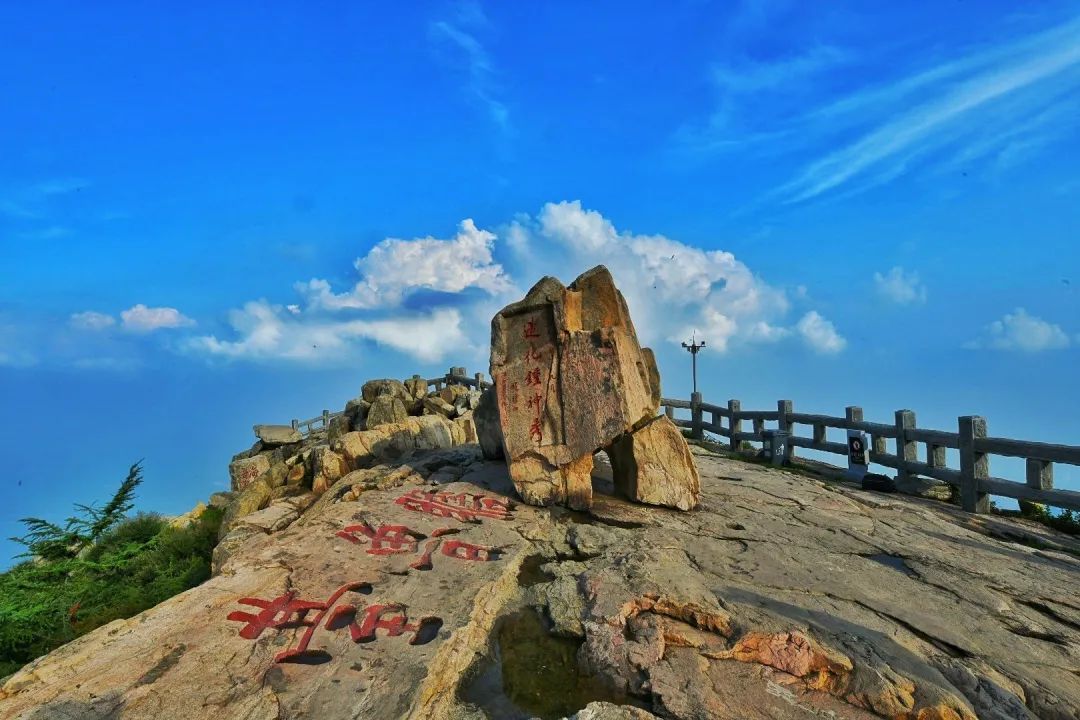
97,568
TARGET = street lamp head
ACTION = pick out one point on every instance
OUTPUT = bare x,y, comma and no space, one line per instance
685,345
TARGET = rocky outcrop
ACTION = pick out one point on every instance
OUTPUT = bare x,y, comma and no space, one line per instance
418,589
571,379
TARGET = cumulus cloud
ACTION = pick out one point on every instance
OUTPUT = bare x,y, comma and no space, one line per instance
140,318
672,288
394,268
1023,332
900,287
267,331
91,320
820,334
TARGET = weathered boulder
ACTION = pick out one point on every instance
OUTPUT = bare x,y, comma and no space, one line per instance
356,411
653,465
611,711
254,497
245,471
297,474
192,515
221,499
451,393
437,406
395,388
468,427
571,378
416,387
390,442
274,435
385,410
488,429
327,467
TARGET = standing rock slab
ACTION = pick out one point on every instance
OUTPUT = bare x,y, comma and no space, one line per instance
570,379
488,431
653,465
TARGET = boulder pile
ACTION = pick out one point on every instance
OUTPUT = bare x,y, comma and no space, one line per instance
571,379
389,420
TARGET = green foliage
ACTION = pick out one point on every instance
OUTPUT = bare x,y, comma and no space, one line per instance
1066,521
48,541
121,567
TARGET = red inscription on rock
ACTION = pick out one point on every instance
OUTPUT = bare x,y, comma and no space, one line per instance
286,611
465,507
398,539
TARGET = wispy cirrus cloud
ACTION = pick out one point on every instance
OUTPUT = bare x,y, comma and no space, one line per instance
973,105
31,202
1000,103
463,34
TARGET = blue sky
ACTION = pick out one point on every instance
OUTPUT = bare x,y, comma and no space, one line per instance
217,216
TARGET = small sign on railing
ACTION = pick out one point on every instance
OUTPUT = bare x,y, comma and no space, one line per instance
858,462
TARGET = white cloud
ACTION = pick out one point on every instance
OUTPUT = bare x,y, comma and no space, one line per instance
1023,332
271,332
91,320
996,104
394,268
140,318
673,289
897,127
820,334
900,287
482,83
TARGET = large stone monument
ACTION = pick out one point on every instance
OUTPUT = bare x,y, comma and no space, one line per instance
571,379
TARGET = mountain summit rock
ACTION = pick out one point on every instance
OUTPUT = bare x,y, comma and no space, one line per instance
571,379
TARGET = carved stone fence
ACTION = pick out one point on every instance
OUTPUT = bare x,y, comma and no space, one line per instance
456,376
973,477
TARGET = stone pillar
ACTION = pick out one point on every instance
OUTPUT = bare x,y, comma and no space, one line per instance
906,450
784,424
696,431
734,407
974,465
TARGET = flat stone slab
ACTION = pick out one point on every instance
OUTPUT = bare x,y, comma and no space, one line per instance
273,435
780,597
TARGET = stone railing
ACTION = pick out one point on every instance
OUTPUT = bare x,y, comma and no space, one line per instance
456,376
973,477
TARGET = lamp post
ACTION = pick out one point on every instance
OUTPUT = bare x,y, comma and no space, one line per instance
694,347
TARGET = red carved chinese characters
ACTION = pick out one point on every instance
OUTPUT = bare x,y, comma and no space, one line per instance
395,539
536,433
286,611
532,379
390,618
465,507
